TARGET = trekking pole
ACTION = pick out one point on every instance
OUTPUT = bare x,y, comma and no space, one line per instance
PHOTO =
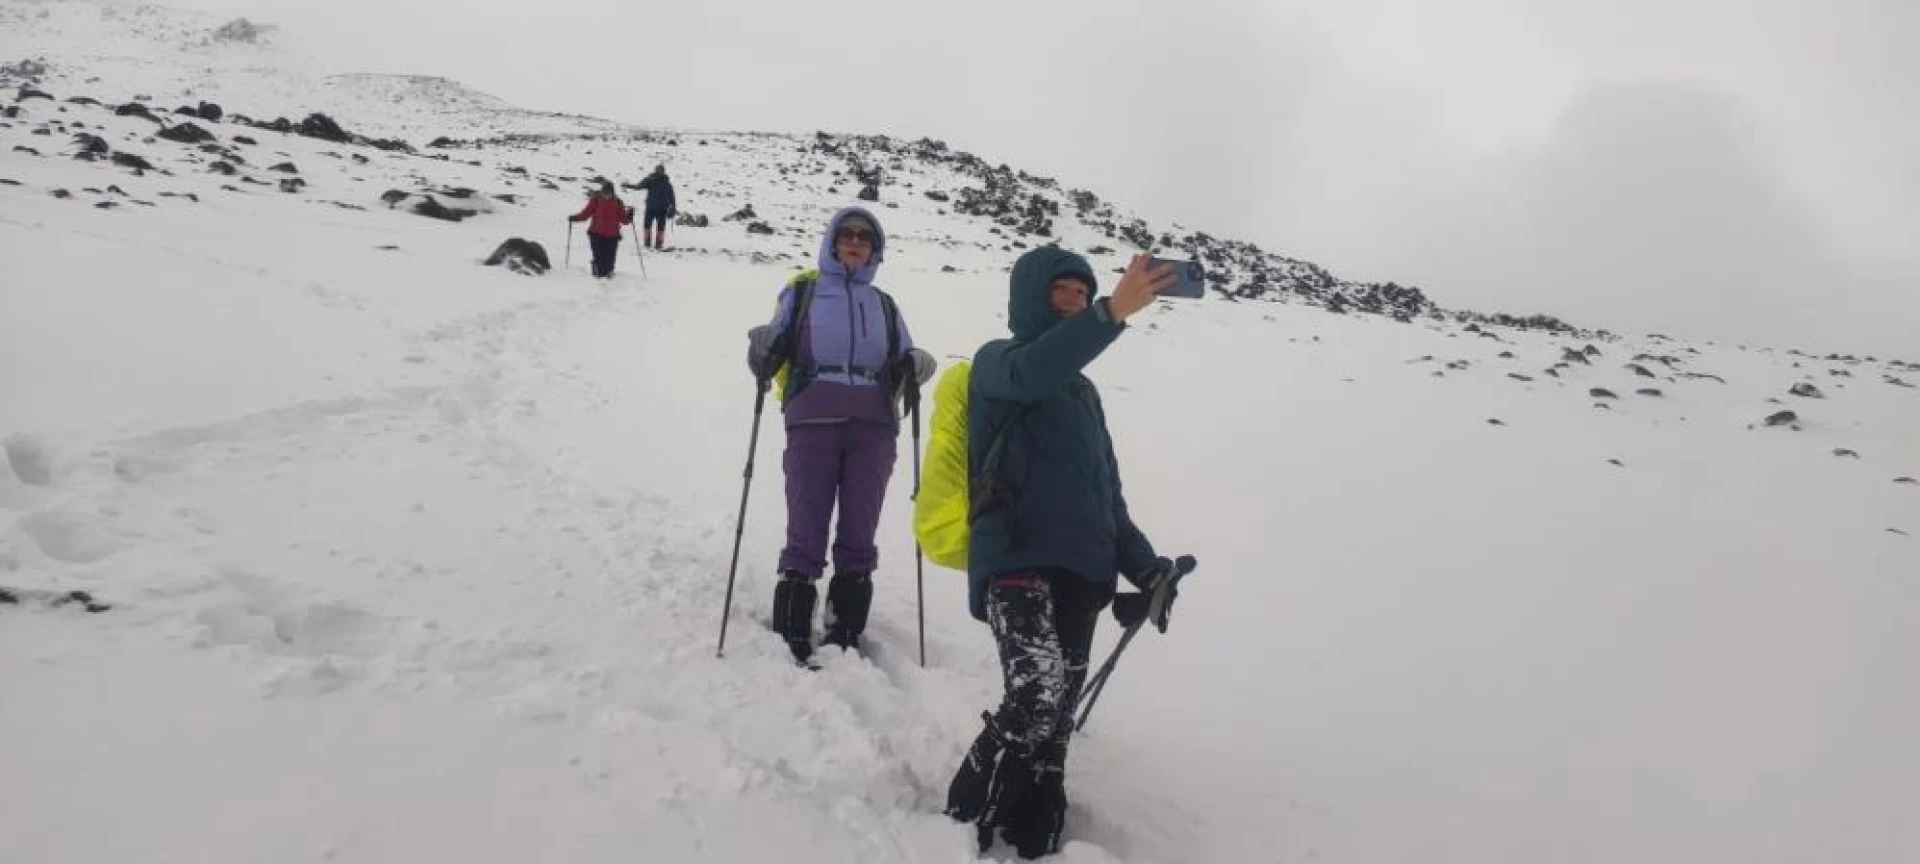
919,558
636,249
1156,606
740,526
568,263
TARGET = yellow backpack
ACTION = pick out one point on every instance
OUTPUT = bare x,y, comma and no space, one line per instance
941,514
951,495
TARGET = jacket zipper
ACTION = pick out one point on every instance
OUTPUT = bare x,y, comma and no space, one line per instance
851,365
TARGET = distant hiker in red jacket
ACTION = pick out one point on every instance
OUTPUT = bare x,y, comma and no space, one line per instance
608,214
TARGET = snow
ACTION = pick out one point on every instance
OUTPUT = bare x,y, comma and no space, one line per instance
414,559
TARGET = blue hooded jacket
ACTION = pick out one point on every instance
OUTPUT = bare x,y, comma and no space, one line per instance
845,330
1066,509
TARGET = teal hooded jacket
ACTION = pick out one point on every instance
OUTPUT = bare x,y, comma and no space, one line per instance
1063,509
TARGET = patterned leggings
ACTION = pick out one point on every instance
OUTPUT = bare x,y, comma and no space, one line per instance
1044,623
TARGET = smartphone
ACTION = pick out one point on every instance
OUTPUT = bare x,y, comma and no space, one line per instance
1189,280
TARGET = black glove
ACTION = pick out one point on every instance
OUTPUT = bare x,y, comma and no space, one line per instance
1132,607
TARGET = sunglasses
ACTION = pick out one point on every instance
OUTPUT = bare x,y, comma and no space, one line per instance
861,235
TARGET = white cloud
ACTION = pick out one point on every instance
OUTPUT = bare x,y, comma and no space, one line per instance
1392,139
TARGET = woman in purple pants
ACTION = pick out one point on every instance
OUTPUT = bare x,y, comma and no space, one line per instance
849,356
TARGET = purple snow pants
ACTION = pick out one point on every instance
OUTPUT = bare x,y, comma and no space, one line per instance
850,461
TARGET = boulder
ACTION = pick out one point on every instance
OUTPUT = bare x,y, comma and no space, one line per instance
521,256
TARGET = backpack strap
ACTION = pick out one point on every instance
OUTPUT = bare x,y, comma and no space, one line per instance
989,489
797,318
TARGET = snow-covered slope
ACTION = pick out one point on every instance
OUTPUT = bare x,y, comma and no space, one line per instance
415,559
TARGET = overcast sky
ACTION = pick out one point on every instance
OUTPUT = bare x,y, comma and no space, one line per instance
1708,168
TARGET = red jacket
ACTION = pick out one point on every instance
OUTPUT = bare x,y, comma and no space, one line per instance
608,214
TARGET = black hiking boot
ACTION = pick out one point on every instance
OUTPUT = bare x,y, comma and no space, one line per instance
1033,826
793,600
991,783
849,596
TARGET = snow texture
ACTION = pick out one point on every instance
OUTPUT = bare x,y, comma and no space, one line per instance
413,559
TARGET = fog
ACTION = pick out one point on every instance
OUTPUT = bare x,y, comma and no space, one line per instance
1741,171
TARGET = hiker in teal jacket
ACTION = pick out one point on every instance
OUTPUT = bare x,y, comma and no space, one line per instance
1043,552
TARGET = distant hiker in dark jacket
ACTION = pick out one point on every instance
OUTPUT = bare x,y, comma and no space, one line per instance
847,359
661,207
1041,563
607,213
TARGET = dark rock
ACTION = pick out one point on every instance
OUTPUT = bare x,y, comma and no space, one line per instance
1506,355
1650,391
239,30
129,160
521,256
61,193
741,215
759,228
1099,250
83,100
187,195
1570,355
392,197
106,205
948,268
186,133
1616,463
1704,375
223,168
8,181
1806,391
10,112
435,210
1641,371
869,193
1602,393
292,184
135,109
22,148
242,139
30,93
691,220
1519,377
1907,480
322,127
1590,351
209,112
1781,418
1495,421
1844,453
506,198
345,206
1895,381
457,192
937,195
24,69
285,168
